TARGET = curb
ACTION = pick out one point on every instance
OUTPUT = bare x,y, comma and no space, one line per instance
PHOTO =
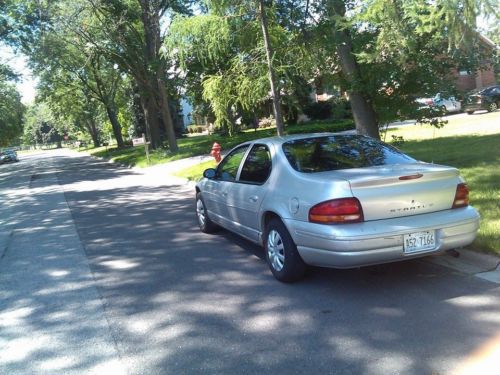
483,266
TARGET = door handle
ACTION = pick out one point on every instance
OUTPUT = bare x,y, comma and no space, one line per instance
253,198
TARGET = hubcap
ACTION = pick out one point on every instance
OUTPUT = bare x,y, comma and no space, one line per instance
275,250
493,107
200,212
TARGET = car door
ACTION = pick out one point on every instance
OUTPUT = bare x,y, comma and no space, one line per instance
247,194
216,190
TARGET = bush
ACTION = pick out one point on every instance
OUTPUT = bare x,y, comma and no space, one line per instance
319,110
267,122
192,129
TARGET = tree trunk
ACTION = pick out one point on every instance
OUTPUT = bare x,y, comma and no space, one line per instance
152,123
365,117
167,116
275,92
115,124
92,129
150,15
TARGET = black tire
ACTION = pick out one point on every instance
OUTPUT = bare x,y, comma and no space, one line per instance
470,112
290,266
206,225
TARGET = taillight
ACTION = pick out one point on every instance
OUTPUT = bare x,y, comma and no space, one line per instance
461,196
337,211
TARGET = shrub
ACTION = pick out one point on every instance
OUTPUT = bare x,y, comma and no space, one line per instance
267,122
319,110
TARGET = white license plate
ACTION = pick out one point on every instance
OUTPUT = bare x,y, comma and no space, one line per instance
419,241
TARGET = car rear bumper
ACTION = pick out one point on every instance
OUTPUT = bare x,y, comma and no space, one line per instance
381,241
475,107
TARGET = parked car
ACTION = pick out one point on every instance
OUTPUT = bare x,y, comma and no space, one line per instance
484,99
335,200
445,104
8,156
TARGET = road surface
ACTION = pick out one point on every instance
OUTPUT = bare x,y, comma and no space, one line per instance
103,270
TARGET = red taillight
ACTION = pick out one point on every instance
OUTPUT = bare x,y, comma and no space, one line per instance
337,211
429,102
461,196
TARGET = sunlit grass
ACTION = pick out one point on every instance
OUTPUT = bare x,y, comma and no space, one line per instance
201,145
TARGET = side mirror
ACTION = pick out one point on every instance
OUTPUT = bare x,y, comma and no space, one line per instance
209,173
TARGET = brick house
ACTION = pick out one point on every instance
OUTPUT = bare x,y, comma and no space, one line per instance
465,80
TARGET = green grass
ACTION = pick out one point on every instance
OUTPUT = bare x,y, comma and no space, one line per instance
195,172
201,145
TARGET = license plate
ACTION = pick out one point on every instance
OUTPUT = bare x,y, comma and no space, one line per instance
419,241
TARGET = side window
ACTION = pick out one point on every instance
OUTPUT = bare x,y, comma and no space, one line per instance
257,166
228,168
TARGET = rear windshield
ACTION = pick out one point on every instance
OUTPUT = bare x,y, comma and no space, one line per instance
331,153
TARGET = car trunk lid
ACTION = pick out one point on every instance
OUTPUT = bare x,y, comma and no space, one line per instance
391,191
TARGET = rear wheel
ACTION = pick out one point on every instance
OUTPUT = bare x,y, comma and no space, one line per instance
281,253
470,112
206,225
492,107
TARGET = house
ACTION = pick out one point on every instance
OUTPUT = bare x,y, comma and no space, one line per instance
465,80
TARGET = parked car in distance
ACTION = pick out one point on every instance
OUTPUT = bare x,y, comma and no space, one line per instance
8,156
445,104
333,200
484,99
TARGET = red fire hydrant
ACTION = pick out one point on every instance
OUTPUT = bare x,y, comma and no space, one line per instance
216,152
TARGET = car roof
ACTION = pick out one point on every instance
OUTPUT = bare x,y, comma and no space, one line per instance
279,140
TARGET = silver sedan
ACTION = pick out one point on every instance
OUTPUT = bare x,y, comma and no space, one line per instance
334,200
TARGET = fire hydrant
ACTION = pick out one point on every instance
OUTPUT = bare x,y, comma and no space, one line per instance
216,152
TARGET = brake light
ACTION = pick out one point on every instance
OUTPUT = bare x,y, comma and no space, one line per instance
337,211
461,196
429,102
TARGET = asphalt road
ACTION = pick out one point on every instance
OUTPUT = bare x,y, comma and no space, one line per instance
105,269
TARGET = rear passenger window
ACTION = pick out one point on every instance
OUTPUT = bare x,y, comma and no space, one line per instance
257,166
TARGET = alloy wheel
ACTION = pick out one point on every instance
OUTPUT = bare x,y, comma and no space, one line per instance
275,250
200,212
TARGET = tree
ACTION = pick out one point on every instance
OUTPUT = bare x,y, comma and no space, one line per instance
226,56
11,113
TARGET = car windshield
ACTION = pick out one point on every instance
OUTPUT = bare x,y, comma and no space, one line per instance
330,153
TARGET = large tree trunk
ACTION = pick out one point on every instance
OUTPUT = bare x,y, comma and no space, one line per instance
92,129
151,22
167,116
275,92
365,117
152,122
115,124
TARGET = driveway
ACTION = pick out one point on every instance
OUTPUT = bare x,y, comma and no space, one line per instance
156,296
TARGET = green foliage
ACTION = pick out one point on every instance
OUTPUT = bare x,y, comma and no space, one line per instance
11,113
222,55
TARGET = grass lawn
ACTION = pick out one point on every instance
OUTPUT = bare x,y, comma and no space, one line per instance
472,147
201,145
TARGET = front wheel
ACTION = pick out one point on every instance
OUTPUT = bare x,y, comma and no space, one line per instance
470,112
492,107
281,253
206,225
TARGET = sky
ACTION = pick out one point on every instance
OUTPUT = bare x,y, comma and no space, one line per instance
27,84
